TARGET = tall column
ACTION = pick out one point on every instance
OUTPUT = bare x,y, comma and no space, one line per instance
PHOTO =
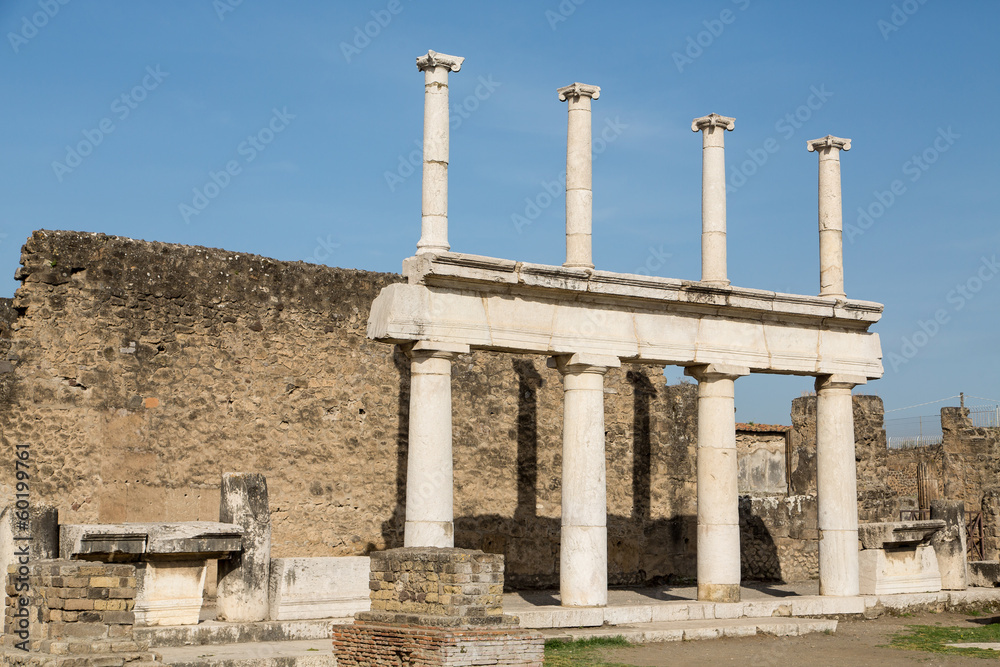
831,219
713,196
718,484
434,204
583,553
837,485
579,175
429,475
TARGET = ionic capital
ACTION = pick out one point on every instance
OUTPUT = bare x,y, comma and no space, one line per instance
583,363
429,349
839,381
435,59
710,372
829,141
712,120
578,90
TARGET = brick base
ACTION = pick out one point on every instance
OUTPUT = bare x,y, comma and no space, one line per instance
366,644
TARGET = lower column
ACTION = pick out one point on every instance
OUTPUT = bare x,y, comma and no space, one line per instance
583,552
718,488
837,485
429,475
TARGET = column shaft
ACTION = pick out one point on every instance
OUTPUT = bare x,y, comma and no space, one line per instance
579,175
836,488
429,474
718,484
583,553
434,204
831,220
713,196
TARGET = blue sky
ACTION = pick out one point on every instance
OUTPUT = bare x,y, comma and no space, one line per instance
161,96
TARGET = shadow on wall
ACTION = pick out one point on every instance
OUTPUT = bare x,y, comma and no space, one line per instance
641,550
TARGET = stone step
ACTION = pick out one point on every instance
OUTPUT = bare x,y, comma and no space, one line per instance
220,633
553,616
675,631
302,653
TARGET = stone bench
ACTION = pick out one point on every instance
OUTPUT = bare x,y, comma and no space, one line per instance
171,561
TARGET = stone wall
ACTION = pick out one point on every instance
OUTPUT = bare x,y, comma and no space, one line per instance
971,472
72,613
903,465
141,371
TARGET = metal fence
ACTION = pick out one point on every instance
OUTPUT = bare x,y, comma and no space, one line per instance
909,432
985,416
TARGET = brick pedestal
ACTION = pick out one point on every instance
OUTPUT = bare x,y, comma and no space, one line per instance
71,612
436,606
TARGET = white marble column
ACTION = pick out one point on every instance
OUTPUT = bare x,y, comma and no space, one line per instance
579,175
837,485
831,219
434,205
718,487
713,196
583,553
429,475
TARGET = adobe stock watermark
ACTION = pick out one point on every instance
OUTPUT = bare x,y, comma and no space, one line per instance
553,190
958,297
323,251
697,44
407,165
915,167
900,14
30,26
363,35
563,11
223,7
655,260
785,126
248,149
122,107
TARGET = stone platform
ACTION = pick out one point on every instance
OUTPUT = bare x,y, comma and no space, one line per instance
626,607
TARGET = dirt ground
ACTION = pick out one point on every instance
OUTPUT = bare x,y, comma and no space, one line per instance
854,643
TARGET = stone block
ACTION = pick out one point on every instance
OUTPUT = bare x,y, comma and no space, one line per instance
169,592
320,587
906,570
984,573
244,578
949,544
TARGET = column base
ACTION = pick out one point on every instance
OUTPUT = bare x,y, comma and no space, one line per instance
583,566
719,592
429,534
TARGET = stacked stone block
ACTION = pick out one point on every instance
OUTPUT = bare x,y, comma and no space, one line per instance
436,606
73,613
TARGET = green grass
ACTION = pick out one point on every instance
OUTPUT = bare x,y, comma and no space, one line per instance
935,639
560,653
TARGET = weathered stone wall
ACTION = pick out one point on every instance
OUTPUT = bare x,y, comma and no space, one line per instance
876,500
140,372
971,472
761,453
902,475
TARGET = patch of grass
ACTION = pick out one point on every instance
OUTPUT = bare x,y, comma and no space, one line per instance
562,653
935,639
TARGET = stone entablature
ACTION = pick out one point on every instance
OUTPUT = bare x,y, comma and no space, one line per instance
509,306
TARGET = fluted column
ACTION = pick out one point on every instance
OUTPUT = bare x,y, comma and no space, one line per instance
429,473
583,552
831,219
579,175
718,483
434,205
837,485
713,196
